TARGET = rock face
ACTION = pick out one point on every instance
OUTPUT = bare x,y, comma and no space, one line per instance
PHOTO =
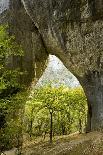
73,31
27,35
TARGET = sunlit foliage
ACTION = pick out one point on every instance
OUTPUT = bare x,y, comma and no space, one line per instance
66,107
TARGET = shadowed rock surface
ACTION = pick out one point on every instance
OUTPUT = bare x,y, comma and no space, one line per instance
73,31
27,35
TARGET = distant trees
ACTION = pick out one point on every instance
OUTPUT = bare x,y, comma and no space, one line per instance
56,111
57,74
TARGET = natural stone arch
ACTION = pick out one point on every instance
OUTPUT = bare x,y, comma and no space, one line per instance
73,31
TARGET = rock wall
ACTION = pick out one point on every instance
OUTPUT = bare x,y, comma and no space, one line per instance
72,30
21,26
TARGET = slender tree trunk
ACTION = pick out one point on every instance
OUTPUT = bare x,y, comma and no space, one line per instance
80,125
31,124
51,127
63,130
44,135
93,87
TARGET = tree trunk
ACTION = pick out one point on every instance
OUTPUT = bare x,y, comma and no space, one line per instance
45,134
93,87
63,129
80,126
51,126
31,124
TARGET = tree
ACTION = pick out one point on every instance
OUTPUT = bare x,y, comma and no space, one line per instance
56,111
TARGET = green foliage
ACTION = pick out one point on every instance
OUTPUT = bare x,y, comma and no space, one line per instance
8,49
68,106
11,106
13,112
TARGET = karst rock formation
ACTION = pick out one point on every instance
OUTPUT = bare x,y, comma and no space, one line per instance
70,29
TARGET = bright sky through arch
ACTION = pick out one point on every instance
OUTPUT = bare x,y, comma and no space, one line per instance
58,74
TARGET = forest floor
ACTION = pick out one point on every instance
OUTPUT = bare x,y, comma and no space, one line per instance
74,144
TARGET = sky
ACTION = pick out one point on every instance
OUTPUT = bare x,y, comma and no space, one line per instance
58,74
4,4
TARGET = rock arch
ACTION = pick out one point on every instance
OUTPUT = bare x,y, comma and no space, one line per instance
73,31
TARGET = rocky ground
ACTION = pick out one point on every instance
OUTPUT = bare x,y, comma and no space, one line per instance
75,144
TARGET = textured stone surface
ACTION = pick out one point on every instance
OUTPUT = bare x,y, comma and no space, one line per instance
21,26
72,30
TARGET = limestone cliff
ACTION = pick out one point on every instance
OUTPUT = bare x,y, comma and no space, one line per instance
72,30
21,26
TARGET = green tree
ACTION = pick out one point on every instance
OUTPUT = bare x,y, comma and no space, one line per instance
62,108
